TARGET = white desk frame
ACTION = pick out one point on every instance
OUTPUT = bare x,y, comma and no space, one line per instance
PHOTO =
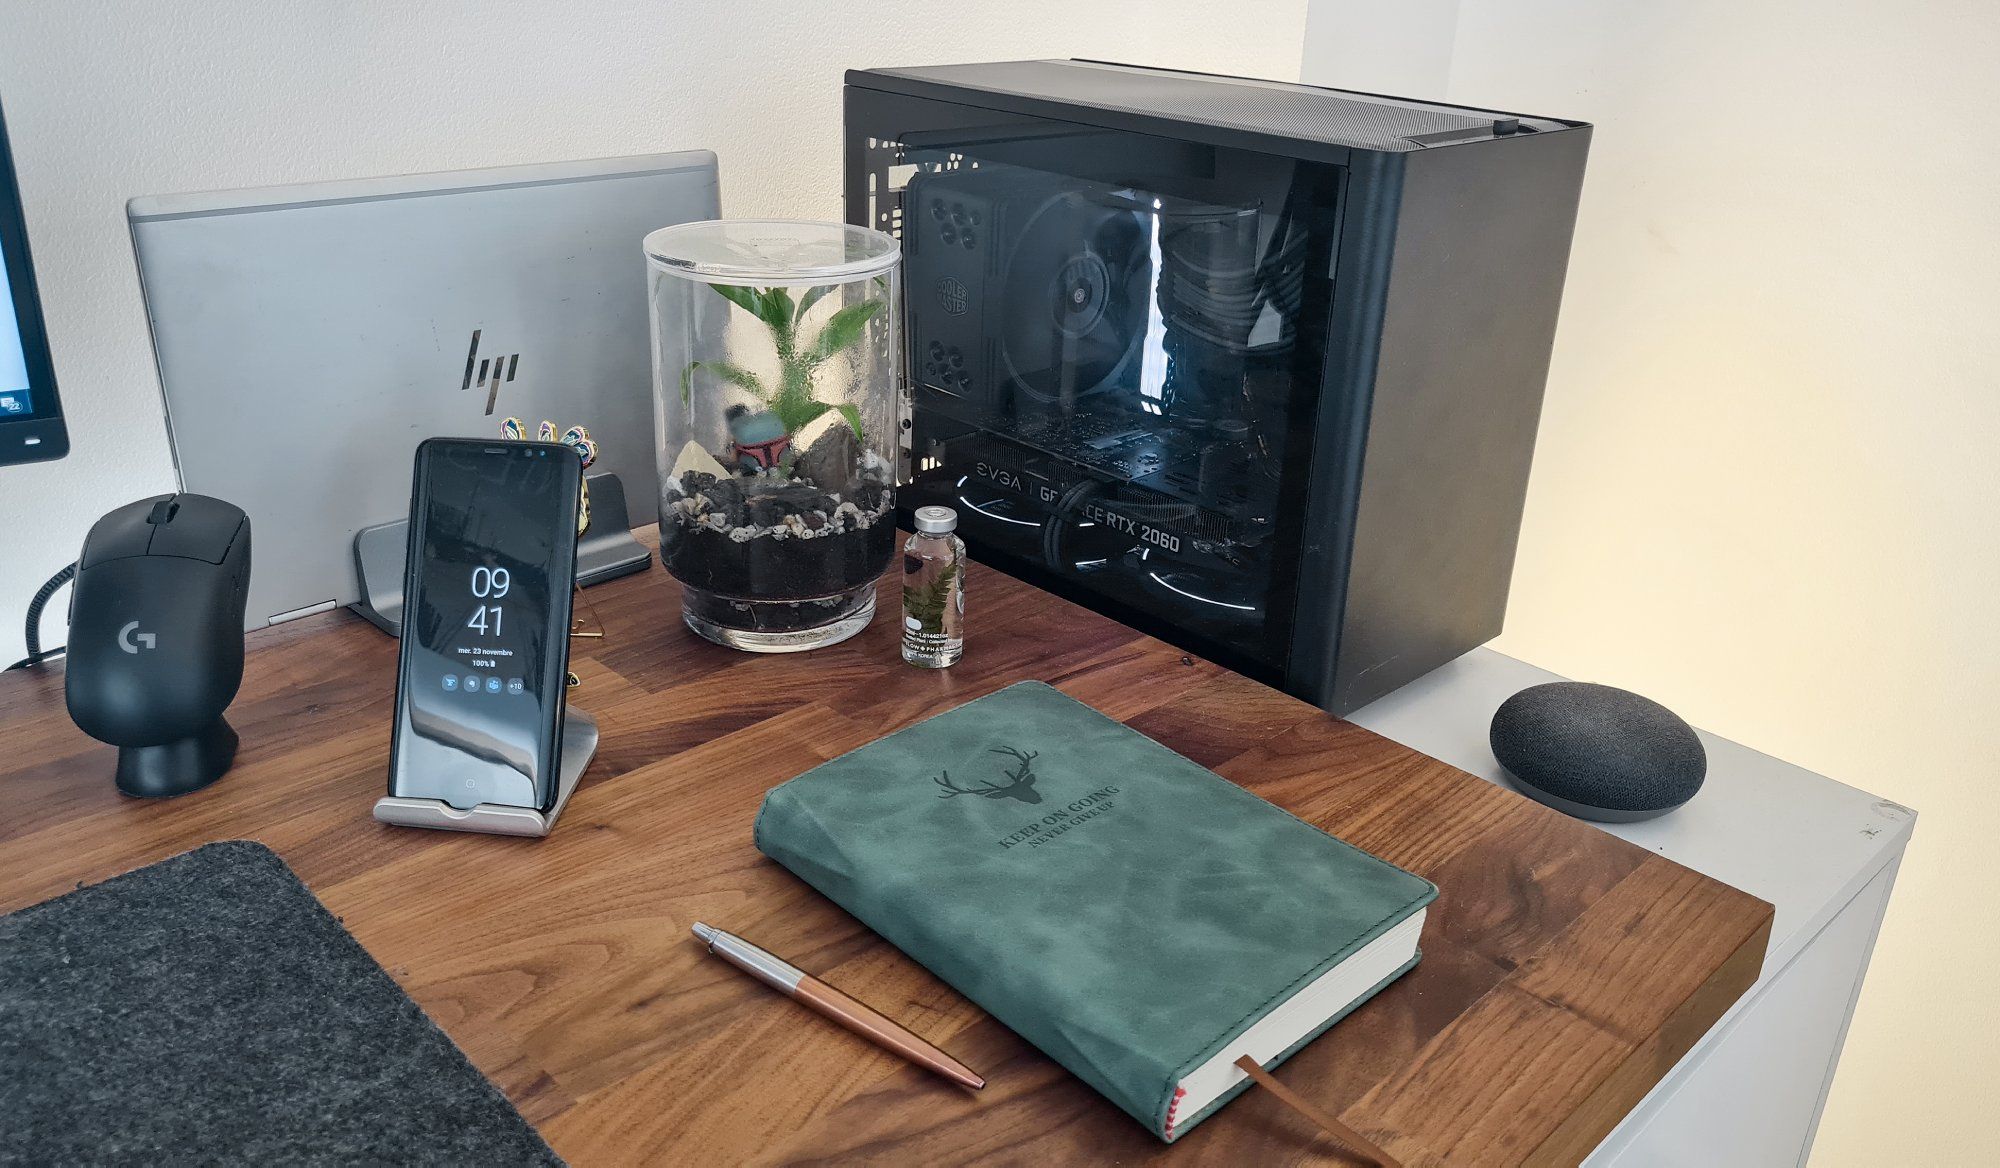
1824,854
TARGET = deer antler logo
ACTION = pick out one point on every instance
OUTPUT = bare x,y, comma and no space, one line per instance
1020,781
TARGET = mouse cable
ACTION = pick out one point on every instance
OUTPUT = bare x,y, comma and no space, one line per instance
34,635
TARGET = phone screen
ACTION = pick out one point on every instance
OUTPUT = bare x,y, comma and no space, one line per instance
485,648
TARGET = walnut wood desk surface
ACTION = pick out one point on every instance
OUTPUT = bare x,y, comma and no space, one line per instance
1564,970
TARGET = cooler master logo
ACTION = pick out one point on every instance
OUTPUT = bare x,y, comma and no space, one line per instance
951,295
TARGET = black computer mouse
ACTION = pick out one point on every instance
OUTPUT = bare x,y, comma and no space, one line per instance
155,649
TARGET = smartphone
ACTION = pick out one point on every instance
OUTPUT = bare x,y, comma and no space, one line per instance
481,674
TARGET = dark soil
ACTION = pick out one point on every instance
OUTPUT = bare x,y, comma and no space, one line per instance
836,555
768,616
777,569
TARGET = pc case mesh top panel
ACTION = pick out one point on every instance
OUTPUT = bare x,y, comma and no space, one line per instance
1303,112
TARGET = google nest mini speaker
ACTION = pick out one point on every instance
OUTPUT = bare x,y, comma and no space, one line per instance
1598,752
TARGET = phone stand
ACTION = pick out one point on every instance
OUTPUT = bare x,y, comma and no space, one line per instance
579,745
605,552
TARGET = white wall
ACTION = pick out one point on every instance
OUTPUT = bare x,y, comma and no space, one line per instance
1765,488
107,99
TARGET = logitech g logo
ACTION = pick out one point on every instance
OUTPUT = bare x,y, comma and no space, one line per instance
497,365
126,637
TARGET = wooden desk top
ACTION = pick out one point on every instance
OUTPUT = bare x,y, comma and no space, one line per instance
1564,971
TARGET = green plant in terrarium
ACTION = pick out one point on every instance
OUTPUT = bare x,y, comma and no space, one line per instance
791,400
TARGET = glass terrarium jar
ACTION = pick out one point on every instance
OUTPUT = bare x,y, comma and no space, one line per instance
776,387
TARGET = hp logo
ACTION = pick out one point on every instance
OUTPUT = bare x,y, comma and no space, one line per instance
501,369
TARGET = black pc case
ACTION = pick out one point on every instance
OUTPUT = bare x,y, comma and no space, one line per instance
1255,367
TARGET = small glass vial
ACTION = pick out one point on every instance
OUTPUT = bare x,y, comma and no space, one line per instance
934,591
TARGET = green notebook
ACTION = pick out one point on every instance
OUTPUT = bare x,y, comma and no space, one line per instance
1142,920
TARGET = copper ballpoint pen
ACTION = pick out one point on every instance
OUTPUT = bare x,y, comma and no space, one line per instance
793,982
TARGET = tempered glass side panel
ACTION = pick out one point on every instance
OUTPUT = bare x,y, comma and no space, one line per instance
1116,344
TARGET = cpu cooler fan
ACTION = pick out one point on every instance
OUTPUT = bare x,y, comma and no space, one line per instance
1028,291
1074,297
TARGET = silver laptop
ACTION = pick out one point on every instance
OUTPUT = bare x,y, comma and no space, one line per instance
308,337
